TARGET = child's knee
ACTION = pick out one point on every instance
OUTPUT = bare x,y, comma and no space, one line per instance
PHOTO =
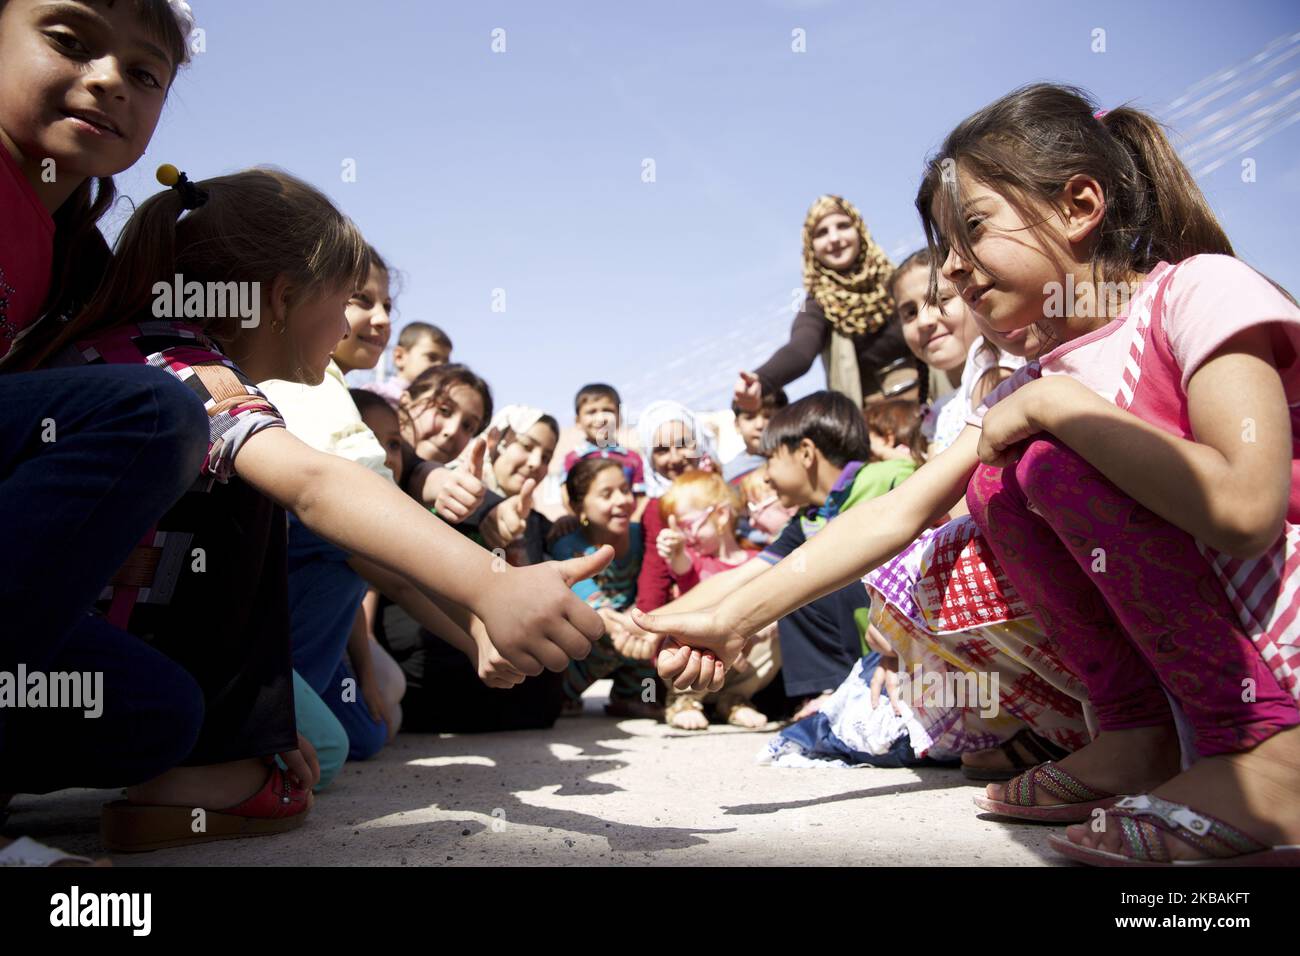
1043,466
984,484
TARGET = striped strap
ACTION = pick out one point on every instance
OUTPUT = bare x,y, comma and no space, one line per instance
1061,784
1144,819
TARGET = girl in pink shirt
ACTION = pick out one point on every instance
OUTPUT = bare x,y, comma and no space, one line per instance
1135,483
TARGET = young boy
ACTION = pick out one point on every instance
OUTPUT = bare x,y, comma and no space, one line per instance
596,407
738,472
750,424
420,346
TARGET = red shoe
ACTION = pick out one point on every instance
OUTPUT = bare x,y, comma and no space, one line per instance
127,827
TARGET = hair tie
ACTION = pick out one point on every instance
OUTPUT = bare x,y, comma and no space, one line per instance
1099,114
192,196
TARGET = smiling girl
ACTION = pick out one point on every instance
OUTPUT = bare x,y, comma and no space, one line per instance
1160,441
82,85
941,330
601,495
225,617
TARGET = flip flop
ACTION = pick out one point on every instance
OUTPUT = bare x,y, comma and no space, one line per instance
1040,749
1145,818
279,806
1019,802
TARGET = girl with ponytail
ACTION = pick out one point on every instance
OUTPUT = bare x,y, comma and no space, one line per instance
208,585
1137,483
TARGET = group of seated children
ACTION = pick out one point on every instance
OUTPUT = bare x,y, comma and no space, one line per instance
1094,526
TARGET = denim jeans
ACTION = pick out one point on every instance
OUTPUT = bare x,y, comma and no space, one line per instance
90,459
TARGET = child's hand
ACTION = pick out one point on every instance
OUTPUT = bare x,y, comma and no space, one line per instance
535,620
687,668
460,491
1017,417
671,545
493,669
748,392
376,703
509,519
694,632
628,638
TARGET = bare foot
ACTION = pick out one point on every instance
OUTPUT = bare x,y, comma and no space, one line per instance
686,716
744,715
1118,761
212,787
1254,791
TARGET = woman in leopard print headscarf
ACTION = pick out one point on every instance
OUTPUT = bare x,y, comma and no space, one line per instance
848,316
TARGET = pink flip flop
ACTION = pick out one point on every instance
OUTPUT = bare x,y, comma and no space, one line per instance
1061,784
1144,819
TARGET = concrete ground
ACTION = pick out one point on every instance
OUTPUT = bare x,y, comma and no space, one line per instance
596,791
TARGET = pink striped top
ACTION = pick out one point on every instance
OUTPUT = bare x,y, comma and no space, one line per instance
1143,361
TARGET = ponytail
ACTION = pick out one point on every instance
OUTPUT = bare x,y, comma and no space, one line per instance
256,225
1028,145
1174,220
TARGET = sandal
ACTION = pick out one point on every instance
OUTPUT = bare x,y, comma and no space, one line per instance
1018,798
1145,819
1039,748
279,806
678,706
25,851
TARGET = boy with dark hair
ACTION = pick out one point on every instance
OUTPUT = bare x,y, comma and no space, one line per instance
750,424
597,409
420,346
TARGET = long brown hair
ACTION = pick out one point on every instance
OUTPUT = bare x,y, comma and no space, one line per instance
1029,143
256,225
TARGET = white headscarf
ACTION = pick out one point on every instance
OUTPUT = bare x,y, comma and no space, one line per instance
518,419
655,415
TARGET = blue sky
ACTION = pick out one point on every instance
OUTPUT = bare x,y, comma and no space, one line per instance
522,170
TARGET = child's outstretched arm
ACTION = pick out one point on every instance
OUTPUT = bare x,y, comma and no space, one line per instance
450,623
847,548
1227,488
534,618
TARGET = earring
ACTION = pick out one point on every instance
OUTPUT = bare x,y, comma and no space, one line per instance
278,326
583,521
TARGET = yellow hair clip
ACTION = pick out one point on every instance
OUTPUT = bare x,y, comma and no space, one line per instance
192,197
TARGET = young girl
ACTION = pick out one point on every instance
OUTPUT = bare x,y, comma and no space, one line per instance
361,687
601,495
442,411
67,73
82,86
765,515
942,333
209,588
1148,517
700,511
674,442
